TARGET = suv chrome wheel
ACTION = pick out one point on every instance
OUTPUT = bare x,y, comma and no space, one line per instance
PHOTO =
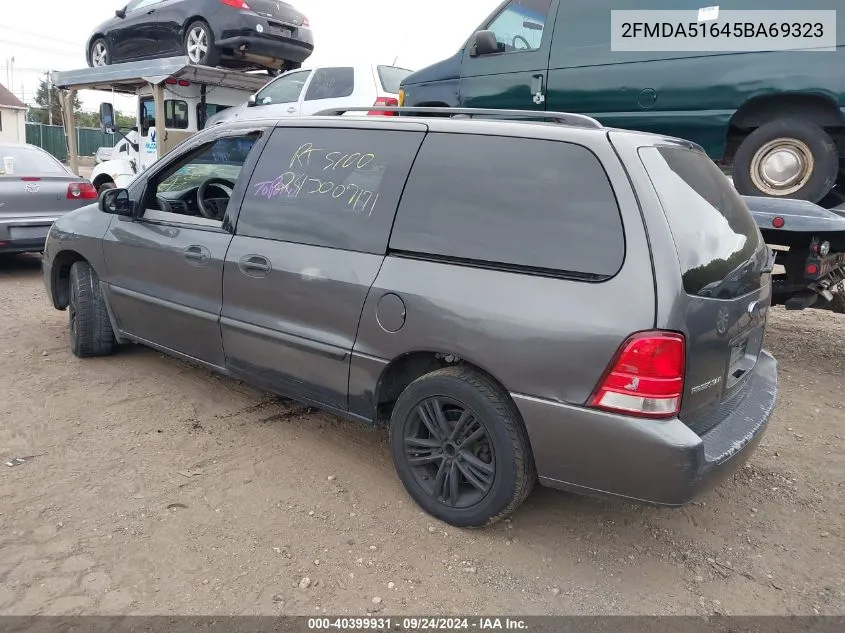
782,166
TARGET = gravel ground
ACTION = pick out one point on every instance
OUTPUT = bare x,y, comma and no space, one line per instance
158,488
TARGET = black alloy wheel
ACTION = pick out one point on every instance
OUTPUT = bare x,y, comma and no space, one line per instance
460,447
450,452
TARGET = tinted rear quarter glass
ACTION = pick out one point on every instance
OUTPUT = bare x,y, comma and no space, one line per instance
336,188
391,76
515,202
715,235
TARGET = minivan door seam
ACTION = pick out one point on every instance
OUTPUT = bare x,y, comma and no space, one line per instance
381,265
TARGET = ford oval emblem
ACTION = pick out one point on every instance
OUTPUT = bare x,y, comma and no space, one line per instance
722,320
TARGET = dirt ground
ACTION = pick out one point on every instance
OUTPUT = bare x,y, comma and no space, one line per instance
158,488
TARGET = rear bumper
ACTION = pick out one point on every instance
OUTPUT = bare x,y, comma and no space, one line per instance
12,243
268,42
262,45
22,246
661,462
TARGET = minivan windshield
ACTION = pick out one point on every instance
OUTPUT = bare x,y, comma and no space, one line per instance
721,250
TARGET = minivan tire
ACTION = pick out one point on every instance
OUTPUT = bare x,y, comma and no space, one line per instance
808,142
211,56
90,328
504,442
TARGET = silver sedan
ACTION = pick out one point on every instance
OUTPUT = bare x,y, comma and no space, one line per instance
35,190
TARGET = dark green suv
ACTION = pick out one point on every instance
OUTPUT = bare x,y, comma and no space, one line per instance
778,118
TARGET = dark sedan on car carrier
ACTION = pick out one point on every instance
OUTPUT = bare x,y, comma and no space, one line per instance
243,34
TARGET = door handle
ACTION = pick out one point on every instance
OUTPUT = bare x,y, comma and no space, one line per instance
254,265
197,254
291,110
537,92
151,11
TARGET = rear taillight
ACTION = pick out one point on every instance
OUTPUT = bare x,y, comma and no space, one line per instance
81,191
238,4
305,22
390,102
645,378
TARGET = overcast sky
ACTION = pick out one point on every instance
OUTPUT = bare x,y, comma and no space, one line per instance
52,34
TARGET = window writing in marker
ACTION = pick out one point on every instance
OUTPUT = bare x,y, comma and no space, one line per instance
335,179
333,160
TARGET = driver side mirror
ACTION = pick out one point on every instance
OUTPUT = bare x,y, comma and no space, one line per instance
116,202
251,102
120,13
106,118
485,44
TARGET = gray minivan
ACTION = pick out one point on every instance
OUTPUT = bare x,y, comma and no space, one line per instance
515,299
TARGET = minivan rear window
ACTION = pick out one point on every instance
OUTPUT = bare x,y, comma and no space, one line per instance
720,248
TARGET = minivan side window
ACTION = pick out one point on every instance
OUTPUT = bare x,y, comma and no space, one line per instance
172,195
335,187
331,83
519,27
511,203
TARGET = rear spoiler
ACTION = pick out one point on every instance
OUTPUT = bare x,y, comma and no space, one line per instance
798,215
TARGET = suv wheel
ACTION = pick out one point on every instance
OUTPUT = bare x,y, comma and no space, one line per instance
786,159
460,447
90,328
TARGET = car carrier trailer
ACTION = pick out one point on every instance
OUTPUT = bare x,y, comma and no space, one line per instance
174,99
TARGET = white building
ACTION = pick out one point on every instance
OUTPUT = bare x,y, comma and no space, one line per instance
12,117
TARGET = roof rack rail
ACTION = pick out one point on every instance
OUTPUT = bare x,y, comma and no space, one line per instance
564,118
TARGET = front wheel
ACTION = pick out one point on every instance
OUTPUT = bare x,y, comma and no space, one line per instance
199,44
786,159
90,328
105,186
460,447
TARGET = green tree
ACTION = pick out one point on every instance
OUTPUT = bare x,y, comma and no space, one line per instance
47,97
87,119
125,121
